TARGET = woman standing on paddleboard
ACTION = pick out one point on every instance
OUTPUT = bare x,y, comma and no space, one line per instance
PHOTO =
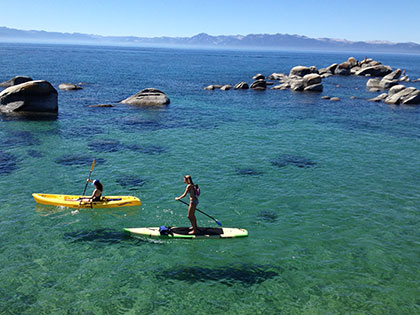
194,192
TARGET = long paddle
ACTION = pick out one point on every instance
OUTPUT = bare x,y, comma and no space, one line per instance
218,223
84,191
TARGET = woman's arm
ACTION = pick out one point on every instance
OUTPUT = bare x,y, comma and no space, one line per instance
93,194
184,194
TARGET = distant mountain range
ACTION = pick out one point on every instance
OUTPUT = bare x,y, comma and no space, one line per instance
256,41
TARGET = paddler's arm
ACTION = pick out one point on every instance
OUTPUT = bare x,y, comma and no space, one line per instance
184,194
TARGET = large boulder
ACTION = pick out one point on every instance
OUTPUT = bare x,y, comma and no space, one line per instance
16,80
314,88
375,71
331,68
300,71
297,84
373,83
29,97
396,89
259,85
276,76
353,70
258,76
394,75
311,79
148,97
401,96
69,86
241,86
226,87
386,84
412,99
343,69
352,61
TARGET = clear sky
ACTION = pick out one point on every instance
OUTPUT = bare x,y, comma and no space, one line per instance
392,20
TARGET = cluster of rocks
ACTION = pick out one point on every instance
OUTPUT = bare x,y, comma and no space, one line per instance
300,79
399,94
366,67
23,95
309,79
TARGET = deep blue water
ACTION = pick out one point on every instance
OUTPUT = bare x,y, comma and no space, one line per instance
327,190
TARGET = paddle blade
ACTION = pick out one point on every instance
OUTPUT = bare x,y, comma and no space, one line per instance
218,223
93,165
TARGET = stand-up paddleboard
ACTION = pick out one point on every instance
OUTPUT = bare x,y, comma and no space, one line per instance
73,201
182,232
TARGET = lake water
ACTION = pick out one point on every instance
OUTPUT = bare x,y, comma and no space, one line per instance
328,191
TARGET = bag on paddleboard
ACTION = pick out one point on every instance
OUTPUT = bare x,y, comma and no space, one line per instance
163,230
196,191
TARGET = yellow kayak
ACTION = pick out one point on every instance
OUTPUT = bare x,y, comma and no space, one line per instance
73,201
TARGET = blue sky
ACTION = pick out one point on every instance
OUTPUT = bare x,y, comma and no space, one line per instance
396,21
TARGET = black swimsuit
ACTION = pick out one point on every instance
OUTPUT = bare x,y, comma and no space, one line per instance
97,198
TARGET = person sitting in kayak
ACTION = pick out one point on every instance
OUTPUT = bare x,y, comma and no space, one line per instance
97,193
192,190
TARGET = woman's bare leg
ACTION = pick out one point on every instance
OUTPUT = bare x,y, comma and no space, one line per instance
191,217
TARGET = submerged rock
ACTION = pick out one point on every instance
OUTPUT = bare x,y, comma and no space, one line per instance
148,97
268,216
77,160
29,97
146,149
16,80
35,154
7,163
131,181
100,145
248,171
102,105
297,161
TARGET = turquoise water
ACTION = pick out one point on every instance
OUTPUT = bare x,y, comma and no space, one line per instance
328,191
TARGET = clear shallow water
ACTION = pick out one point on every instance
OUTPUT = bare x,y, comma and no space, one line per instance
338,235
